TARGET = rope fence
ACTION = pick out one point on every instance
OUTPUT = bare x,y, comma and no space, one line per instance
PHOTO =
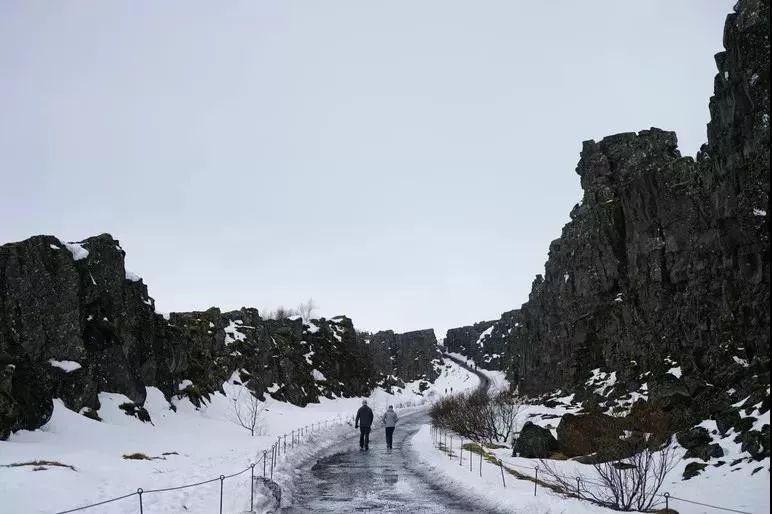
268,458
443,440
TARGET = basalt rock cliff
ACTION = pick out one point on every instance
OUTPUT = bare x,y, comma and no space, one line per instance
665,262
74,323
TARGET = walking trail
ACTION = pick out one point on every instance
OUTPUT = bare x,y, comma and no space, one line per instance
378,480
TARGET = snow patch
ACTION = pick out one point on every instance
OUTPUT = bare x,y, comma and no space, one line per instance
67,366
77,250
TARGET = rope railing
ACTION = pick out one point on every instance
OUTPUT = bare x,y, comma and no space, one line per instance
440,440
268,458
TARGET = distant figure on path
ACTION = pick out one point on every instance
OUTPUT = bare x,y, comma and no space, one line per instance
390,419
364,421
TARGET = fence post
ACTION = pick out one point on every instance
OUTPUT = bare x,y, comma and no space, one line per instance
461,452
278,444
285,444
536,480
667,503
139,492
273,458
501,466
481,457
293,439
252,488
471,457
450,455
578,481
222,479
265,457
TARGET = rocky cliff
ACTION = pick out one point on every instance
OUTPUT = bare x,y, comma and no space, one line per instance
404,357
74,322
665,262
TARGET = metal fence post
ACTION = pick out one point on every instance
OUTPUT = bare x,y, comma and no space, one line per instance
578,481
265,457
536,480
471,455
222,479
273,458
450,455
252,488
139,492
501,466
667,503
481,457
461,452
285,444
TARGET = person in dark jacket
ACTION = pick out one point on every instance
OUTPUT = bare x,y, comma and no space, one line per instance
364,421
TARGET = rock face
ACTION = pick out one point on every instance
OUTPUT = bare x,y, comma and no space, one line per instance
471,342
74,322
666,259
404,357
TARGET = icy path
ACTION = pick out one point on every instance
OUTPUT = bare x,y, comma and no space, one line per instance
375,481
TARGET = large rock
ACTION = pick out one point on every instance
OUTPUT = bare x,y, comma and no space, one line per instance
535,442
587,434
666,258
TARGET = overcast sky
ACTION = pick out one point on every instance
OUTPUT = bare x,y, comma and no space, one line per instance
405,162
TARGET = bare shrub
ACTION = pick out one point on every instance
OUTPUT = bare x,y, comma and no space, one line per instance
503,411
306,309
627,483
478,416
249,412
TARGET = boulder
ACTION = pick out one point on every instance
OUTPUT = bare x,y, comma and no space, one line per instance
726,420
535,442
588,433
693,438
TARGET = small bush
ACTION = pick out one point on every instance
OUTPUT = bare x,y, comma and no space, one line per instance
137,456
139,412
39,464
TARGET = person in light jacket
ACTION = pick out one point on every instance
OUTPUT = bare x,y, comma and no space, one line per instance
390,419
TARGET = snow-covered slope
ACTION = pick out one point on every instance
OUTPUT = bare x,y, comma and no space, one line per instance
187,446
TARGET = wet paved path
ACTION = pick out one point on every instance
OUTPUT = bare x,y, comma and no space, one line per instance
378,480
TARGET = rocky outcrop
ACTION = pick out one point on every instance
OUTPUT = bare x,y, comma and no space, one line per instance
666,258
470,342
404,357
74,322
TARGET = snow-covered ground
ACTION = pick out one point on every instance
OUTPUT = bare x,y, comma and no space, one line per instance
735,487
187,446
498,380
488,491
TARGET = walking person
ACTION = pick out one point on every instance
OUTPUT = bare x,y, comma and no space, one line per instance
364,421
390,419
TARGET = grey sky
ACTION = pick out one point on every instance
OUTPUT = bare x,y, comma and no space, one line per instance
405,163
